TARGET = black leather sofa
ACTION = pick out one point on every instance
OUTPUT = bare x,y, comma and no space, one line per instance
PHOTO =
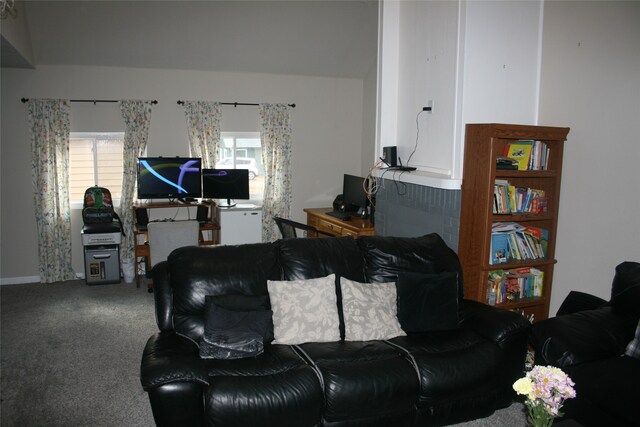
428,378
588,340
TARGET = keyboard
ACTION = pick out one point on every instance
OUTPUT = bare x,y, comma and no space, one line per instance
339,215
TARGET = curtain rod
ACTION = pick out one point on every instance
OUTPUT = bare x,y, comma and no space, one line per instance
95,101
235,104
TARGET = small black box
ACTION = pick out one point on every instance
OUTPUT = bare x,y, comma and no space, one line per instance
390,156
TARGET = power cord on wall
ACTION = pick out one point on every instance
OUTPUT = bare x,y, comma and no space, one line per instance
401,187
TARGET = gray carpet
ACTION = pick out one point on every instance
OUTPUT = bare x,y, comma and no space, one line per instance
70,356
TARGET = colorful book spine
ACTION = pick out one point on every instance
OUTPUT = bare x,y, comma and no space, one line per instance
504,286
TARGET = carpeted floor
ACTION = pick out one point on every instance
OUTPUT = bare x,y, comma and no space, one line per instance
70,356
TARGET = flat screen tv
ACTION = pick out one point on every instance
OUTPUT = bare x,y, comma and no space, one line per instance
229,184
169,178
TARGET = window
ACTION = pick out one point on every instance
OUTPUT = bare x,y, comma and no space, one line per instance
95,159
243,150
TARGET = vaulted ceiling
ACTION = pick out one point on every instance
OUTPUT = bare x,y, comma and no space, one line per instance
302,37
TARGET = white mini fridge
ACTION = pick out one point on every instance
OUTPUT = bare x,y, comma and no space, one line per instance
240,224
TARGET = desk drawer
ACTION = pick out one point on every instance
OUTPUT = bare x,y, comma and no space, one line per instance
329,227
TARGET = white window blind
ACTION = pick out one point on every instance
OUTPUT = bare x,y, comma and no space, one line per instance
95,159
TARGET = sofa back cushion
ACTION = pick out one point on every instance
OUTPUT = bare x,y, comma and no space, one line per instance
195,272
625,290
386,257
302,259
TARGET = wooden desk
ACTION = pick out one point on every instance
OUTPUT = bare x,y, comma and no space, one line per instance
209,232
318,218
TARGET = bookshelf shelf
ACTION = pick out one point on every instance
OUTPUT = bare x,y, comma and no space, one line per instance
484,144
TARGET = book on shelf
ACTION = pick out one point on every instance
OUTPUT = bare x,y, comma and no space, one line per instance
504,286
522,243
529,155
510,199
499,248
506,163
521,152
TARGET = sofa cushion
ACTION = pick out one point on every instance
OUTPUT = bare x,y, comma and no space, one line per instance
304,310
195,272
233,334
237,302
458,367
274,389
427,302
312,258
370,310
365,383
386,257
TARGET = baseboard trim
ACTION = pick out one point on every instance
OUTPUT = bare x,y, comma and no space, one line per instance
19,280
27,279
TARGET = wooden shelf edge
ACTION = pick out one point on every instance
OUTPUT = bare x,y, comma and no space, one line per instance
523,303
516,265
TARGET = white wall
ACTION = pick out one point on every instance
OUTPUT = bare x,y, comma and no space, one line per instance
556,63
478,61
327,132
369,120
419,57
591,83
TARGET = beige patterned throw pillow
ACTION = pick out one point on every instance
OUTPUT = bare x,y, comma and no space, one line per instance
370,311
304,310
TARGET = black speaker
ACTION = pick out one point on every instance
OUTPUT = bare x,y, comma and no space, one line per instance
203,214
142,219
390,156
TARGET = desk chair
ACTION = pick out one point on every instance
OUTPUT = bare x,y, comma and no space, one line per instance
288,228
164,237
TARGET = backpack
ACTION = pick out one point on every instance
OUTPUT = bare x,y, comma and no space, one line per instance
98,206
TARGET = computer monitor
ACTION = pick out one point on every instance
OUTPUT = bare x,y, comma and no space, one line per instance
353,194
225,184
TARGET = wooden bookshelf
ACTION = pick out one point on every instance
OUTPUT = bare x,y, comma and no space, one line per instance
483,144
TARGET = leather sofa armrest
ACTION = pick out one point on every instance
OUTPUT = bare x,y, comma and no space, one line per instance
492,323
163,296
509,331
169,358
580,337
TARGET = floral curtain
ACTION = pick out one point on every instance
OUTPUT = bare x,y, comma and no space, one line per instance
276,155
203,125
137,117
49,128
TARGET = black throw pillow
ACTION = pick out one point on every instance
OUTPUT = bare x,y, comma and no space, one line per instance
427,302
238,302
230,334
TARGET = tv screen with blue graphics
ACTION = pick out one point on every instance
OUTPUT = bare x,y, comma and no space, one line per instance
169,177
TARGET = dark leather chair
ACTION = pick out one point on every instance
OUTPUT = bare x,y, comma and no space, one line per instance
288,228
587,339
